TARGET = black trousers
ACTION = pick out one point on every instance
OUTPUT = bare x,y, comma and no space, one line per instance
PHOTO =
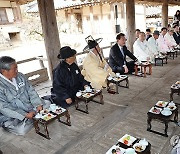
130,66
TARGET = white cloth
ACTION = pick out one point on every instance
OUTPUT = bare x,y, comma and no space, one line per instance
13,82
153,45
141,50
162,44
170,40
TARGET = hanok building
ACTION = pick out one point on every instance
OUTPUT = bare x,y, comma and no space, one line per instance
10,16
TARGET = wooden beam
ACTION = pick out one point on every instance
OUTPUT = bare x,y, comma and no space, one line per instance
130,22
165,13
50,32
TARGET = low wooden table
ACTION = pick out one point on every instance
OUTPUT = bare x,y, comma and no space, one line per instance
44,123
175,88
143,66
121,145
165,119
117,81
86,100
161,58
172,53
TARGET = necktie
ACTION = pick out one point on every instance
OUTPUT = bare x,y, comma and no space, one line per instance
122,52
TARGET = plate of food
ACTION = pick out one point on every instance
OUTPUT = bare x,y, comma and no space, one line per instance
116,150
87,95
172,107
155,110
123,76
139,147
48,116
177,82
127,139
161,103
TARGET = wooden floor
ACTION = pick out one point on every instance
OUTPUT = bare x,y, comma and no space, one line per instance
96,132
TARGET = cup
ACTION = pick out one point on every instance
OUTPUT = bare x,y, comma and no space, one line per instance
78,94
88,89
53,107
110,78
117,74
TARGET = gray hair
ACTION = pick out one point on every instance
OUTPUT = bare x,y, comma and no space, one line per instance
6,62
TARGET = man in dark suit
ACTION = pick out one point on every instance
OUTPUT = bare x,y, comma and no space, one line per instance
117,57
176,34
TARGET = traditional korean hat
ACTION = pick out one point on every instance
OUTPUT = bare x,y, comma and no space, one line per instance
66,52
156,32
91,42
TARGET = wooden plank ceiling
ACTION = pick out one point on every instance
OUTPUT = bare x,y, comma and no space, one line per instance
171,2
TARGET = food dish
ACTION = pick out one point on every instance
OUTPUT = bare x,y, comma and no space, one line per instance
87,95
48,116
177,82
127,139
155,110
117,149
161,103
139,147
172,107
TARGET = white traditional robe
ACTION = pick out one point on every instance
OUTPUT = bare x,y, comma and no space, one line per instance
170,40
162,44
96,71
141,50
153,45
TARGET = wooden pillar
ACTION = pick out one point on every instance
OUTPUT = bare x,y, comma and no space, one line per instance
130,22
91,19
112,19
165,13
50,32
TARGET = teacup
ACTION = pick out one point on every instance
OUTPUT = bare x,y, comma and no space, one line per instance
117,74
110,78
38,115
143,142
53,107
88,89
171,103
78,94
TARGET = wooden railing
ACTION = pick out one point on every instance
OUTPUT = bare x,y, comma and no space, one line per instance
41,75
37,76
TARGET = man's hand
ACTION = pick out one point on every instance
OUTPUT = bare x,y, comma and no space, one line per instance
39,108
69,101
30,115
125,69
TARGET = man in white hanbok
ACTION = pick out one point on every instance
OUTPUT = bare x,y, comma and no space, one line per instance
170,39
141,48
162,44
152,42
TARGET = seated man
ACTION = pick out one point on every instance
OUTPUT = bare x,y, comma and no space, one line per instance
170,39
137,31
162,44
153,43
95,68
117,56
176,34
141,48
148,34
67,78
19,102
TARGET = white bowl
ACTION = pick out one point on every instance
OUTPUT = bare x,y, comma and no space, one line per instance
143,142
78,94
